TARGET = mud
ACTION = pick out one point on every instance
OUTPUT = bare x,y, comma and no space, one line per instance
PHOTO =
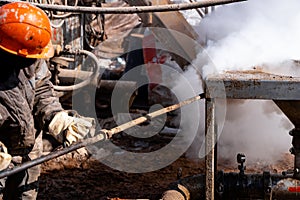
89,179
78,176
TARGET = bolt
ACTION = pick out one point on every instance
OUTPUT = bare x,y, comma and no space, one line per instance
220,188
179,173
241,158
268,190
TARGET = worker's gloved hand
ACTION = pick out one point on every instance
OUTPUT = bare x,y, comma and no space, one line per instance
68,127
5,158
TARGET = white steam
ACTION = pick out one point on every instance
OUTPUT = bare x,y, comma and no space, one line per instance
256,128
241,36
261,33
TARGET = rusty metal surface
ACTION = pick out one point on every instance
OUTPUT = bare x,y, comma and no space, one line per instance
291,109
253,85
210,158
68,34
171,21
175,21
117,29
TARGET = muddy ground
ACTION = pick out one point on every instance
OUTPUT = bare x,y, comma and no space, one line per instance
93,180
76,176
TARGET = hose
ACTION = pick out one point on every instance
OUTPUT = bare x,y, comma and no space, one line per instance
96,71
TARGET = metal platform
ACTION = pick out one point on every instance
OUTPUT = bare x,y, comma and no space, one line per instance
283,90
253,85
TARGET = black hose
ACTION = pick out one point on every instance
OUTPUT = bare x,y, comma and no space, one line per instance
10,171
40,160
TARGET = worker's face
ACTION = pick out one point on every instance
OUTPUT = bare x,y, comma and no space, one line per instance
11,60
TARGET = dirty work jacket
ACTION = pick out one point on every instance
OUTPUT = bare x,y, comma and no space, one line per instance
27,101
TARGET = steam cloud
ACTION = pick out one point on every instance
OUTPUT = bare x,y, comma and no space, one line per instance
261,33
256,128
241,36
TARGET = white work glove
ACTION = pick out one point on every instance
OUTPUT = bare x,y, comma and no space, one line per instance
5,158
68,127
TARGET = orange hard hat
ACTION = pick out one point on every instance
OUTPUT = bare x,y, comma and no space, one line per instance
25,30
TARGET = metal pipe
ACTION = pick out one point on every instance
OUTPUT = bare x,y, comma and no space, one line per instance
152,115
86,82
179,192
103,134
198,10
235,186
133,9
296,151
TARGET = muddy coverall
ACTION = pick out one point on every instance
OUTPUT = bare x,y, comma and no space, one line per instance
27,105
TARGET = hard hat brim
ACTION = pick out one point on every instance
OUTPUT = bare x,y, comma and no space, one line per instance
48,52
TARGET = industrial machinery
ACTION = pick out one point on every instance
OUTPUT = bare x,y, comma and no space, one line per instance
76,33
214,184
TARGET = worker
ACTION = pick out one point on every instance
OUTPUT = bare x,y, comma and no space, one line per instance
28,105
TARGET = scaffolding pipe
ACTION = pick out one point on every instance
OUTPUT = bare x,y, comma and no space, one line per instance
103,134
132,9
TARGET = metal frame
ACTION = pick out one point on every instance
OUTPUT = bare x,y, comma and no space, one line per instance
241,85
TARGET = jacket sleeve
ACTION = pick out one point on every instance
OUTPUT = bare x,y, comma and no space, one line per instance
46,104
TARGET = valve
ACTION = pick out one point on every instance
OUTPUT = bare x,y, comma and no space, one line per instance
241,159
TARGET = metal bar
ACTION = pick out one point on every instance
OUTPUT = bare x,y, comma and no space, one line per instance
296,151
42,159
210,158
254,85
152,115
103,135
129,10
199,11
69,76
